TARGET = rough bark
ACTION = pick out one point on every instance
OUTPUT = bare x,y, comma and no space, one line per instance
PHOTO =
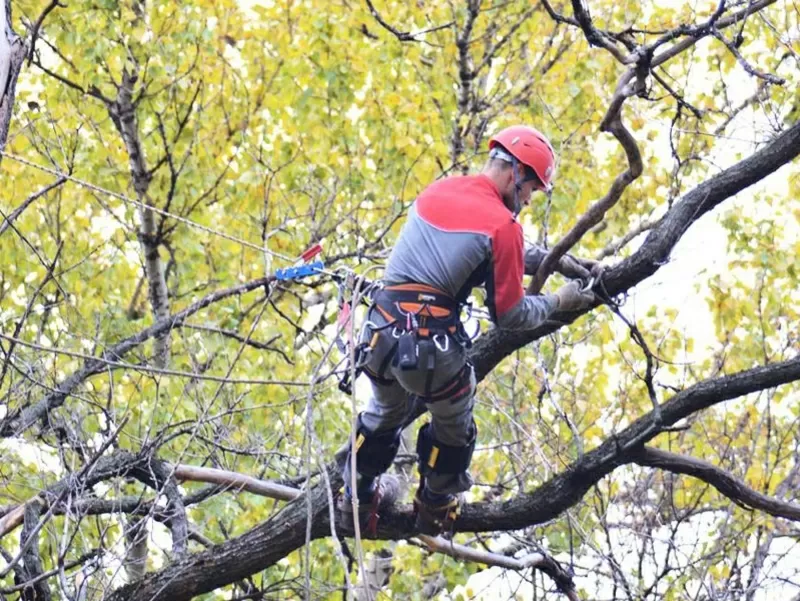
31,560
12,54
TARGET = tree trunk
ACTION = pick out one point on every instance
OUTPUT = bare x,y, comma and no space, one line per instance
12,55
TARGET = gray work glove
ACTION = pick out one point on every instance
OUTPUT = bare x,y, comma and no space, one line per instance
575,268
571,298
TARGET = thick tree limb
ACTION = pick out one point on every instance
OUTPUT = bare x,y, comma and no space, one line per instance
285,532
114,465
655,250
727,484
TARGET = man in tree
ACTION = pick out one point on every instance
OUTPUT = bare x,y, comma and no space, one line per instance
460,233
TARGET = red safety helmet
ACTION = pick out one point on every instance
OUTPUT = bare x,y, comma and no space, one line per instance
530,148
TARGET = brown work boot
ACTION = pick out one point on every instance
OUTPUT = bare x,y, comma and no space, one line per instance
387,490
436,518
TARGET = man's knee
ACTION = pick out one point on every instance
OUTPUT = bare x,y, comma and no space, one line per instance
375,451
436,457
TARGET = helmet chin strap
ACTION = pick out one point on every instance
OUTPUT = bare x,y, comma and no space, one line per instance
517,207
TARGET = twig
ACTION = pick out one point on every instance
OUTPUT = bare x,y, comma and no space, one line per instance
774,79
636,334
146,369
28,308
264,346
38,25
16,212
403,36
613,248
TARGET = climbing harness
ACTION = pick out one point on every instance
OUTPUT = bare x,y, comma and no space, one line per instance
421,320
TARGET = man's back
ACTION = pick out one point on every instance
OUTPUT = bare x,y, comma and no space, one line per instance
459,234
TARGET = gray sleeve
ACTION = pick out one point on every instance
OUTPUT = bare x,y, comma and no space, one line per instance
534,255
530,312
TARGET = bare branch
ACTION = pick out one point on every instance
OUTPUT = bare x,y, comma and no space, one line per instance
539,561
697,33
593,35
726,483
264,346
492,51
632,82
235,481
403,36
768,77
27,202
557,17
613,248
12,425
38,25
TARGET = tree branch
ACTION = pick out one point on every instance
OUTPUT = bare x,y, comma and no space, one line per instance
38,25
632,82
286,531
14,424
38,590
594,36
497,344
403,36
727,484
26,203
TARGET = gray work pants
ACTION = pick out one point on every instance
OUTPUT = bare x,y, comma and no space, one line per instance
390,402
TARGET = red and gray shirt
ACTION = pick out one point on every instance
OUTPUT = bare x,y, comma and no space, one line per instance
459,234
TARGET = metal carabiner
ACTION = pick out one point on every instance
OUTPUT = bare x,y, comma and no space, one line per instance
446,346
589,284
